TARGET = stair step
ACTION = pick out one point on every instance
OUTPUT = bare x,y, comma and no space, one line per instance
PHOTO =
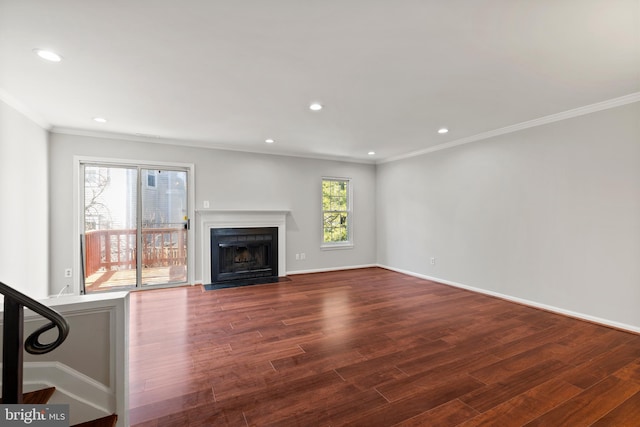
108,421
38,397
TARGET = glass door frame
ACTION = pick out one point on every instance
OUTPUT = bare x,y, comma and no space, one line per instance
142,209
78,217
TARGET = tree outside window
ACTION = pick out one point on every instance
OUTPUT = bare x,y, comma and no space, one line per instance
336,211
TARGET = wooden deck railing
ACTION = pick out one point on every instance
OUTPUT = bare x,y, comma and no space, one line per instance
109,250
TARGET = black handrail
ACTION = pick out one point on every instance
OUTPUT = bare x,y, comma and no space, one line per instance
12,339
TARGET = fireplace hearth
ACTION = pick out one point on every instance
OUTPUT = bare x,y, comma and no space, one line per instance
239,254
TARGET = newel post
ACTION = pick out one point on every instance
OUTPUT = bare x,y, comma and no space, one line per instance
12,351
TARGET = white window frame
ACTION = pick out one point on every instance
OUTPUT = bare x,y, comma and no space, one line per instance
349,243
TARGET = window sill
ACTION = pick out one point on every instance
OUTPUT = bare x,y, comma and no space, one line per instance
336,246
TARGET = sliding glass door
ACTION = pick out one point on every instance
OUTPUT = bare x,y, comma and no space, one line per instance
164,226
135,226
110,227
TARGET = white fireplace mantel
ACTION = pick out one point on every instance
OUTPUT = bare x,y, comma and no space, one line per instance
219,218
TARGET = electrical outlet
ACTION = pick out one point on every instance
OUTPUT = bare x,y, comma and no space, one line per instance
67,272
303,255
433,261
205,204
297,256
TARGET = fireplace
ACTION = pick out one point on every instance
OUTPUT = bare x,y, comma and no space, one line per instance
243,253
208,219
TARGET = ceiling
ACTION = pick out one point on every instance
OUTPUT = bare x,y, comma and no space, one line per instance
232,73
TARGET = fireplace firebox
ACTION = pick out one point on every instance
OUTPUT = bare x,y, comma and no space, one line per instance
243,253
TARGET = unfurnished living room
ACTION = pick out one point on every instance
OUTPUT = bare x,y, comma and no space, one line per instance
294,213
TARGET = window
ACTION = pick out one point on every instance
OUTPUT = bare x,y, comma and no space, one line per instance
151,179
336,212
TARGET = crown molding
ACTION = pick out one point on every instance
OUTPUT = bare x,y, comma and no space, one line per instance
576,112
199,144
14,103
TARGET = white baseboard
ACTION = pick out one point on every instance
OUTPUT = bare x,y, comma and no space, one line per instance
558,310
71,383
325,270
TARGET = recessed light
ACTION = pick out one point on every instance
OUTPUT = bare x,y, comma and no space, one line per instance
315,106
100,119
443,130
48,55
371,153
269,141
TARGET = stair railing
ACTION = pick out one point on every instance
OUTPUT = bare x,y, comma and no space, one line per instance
12,339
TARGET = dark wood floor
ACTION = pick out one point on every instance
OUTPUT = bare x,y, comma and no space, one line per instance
372,347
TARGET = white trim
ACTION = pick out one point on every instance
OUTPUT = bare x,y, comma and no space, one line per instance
40,121
218,218
328,269
87,398
349,244
78,197
551,308
14,103
581,111
71,383
209,145
336,246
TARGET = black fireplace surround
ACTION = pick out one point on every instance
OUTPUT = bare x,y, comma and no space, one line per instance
243,254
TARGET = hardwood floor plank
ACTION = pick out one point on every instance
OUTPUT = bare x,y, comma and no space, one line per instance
452,413
330,411
552,334
404,387
211,416
172,405
38,397
464,350
172,386
590,405
371,347
626,414
526,406
630,372
590,349
497,393
330,405
417,403
504,368
318,361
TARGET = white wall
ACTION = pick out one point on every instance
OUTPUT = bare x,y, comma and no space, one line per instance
24,219
228,180
550,215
